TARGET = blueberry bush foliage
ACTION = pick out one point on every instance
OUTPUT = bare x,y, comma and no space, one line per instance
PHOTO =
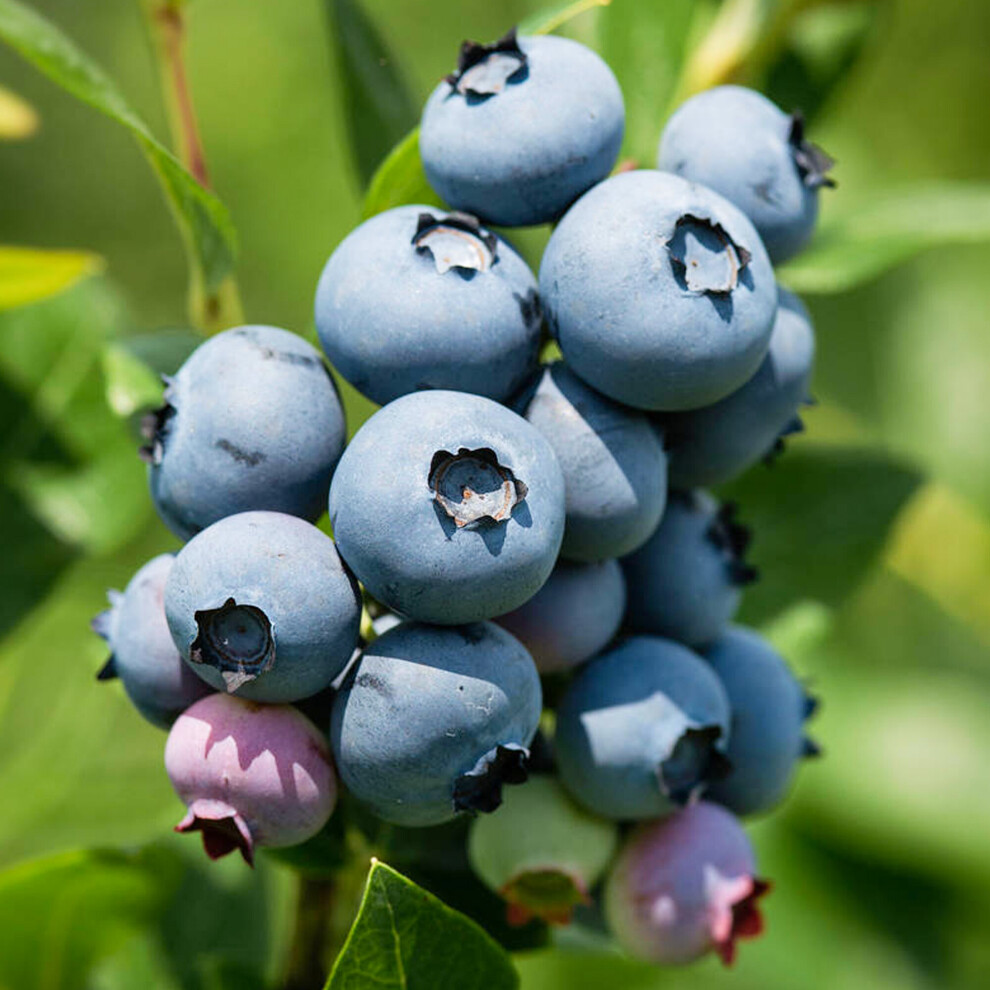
290,122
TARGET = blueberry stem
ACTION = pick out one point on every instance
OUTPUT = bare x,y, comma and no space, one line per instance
167,23
308,963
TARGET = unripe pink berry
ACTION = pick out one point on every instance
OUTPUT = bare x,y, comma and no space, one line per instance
250,774
685,886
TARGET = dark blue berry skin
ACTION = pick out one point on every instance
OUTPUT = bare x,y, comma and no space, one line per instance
743,146
642,729
615,470
432,721
142,653
415,299
518,135
572,617
769,709
659,292
261,605
448,507
251,420
685,582
716,443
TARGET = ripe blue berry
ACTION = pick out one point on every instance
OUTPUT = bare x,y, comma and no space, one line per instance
521,129
260,603
415,299
684,887
573,616
142,653
615,470
252,420
685,582
659,292
714,444
432,721
769,709
540,851
251,775
743,146
448,507
642,730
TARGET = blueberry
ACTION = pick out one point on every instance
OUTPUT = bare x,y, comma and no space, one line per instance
261,604
521,129
743,146
615,470
642,730
573,616
142,653
769,709
714,444
686,581
685,886
660,292
251,775
540,851
416,299
252,420
432,721
448,507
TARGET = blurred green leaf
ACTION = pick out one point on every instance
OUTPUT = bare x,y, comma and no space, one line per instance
30,274
400,179
377,103
820,519
822,46
18,119
203,219
60,916
548,20
404,937
903,780
889,229
645,44
131,384
93,494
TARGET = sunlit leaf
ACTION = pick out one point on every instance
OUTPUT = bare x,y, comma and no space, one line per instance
30,274
18,119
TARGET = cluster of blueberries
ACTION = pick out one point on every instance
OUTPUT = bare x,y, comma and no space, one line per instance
507,521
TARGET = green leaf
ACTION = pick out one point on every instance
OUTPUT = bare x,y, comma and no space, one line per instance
549,20
864,242
131,384
203,219
30,274
400,179
404,938
646,44
377,103
18,119
62,915
820,518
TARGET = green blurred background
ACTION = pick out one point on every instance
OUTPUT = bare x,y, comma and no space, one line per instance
872,533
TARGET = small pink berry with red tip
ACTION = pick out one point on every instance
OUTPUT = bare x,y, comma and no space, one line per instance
250,774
